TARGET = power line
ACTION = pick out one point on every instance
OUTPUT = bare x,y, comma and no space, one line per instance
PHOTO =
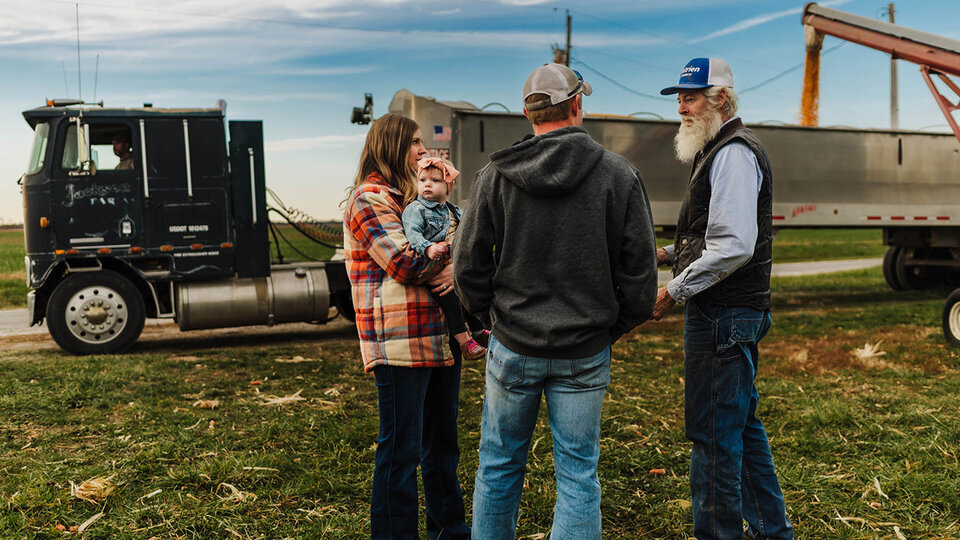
625,59
618,83
790,70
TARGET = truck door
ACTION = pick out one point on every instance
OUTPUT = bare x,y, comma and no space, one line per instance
249,198
100,206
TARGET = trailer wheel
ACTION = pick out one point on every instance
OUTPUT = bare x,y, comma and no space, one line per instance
951,318
95,313
914,278
890,268
951,278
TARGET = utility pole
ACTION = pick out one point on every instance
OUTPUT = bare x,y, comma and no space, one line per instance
568,39
894,108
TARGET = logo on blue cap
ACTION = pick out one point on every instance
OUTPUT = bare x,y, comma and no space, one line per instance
702,73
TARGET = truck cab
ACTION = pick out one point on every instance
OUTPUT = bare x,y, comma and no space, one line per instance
146,212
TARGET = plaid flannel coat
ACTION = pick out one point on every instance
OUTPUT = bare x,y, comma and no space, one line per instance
398,321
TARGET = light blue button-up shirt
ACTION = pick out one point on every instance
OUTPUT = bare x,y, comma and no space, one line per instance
735,180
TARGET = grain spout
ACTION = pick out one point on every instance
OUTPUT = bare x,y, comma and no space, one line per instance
810,101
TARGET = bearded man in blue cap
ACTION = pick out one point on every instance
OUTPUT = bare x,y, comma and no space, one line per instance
721,265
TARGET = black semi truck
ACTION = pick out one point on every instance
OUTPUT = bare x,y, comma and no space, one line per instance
156,213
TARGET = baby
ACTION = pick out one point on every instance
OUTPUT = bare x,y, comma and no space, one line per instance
429,223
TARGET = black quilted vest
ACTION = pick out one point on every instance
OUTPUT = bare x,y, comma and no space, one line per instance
749,285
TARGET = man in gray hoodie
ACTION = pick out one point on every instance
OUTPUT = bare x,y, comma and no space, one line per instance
556,255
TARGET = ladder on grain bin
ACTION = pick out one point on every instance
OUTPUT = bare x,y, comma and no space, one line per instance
936,55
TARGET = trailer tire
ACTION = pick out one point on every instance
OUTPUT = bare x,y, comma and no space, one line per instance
890,268
95,313
951,318
914,278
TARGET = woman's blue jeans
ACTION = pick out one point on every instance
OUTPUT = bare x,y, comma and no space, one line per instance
732,477
418,426
573,388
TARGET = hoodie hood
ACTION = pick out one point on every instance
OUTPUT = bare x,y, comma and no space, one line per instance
551,164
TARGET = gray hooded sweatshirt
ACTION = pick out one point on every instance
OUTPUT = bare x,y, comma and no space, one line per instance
556,252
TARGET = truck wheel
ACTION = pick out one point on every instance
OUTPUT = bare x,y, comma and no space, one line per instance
95,313
890,268
951,318
344,301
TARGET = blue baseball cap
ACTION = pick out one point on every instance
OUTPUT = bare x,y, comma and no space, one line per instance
702,73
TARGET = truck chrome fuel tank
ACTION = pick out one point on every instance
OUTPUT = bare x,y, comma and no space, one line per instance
292,293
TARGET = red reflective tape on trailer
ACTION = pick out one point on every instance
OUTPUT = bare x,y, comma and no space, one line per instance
897,218
779,217
943,218
919,218
874,218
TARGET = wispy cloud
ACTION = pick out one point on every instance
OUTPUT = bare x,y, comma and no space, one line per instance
760,19
318,72
312,143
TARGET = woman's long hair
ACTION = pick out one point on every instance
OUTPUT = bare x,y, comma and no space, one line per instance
386,151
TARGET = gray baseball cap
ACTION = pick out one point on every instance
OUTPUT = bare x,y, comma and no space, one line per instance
557,81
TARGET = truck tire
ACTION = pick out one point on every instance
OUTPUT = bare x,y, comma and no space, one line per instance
95,313
890,268
344,300
951,318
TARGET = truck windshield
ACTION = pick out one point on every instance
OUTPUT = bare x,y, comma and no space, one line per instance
39,151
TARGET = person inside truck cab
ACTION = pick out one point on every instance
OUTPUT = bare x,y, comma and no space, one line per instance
122,149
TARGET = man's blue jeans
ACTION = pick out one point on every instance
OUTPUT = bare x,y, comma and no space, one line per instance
574,391
418,426
732,477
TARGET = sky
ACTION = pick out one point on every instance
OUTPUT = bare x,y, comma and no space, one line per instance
301,66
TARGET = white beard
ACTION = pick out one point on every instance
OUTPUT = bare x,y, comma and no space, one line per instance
691,138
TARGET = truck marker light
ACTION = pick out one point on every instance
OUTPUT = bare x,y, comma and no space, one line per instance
72,252
103,250
136,249
226,245
60,251
196,246
166,248
943,218
44,223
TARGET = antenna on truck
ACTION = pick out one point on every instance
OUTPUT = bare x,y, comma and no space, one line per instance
79,80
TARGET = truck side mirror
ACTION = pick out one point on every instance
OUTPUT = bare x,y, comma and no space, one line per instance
86,166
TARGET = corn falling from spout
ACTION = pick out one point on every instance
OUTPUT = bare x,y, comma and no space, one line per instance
810,101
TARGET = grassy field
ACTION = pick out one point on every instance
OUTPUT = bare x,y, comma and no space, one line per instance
13,275
865,447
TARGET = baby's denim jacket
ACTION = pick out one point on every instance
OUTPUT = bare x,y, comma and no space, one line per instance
426,222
